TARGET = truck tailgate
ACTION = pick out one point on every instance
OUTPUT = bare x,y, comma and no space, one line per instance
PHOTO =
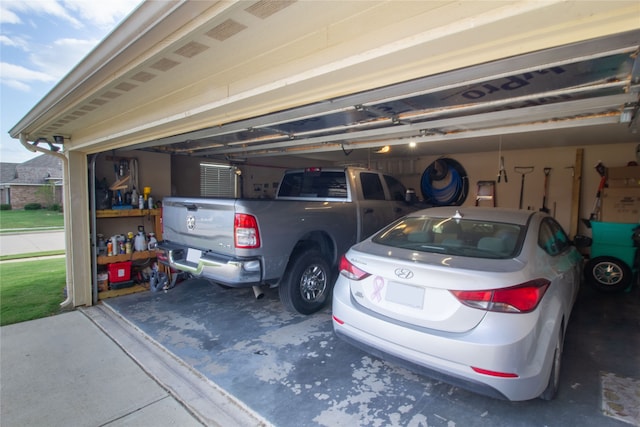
199,223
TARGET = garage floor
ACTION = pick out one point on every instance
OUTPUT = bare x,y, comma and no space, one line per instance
293,371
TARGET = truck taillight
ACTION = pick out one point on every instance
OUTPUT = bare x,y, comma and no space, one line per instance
245,230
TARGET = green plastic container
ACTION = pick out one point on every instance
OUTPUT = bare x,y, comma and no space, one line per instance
613,239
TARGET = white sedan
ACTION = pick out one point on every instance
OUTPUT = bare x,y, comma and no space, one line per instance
477,297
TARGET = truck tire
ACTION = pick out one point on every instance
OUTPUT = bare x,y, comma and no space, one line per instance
307,283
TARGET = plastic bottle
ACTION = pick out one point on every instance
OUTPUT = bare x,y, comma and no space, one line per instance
109,248
139,242
102,246
140,202
153,242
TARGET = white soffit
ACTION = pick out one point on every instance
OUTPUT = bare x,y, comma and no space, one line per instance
198,65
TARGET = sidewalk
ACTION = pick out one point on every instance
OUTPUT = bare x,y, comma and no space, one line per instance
64,370
90,367
31,242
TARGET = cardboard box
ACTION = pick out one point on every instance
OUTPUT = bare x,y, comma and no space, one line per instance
621,205
119,272
624,176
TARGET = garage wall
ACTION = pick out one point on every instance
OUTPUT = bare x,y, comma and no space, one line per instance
484,166
154,170
186,173
260,176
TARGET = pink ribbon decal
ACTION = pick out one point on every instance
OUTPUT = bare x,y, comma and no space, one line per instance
378,284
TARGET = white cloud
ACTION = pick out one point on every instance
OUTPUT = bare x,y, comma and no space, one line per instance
41,7
104,14
7,16
13,71
15,84
19,77
14,41
53,57
57,60
42,40
79,13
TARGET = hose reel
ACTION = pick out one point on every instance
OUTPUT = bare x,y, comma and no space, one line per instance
444,183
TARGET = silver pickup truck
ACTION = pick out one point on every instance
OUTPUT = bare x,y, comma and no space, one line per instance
293,241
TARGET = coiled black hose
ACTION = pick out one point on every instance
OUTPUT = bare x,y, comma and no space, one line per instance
444,183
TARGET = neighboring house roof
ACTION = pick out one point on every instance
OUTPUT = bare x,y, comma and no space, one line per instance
8,172
39,170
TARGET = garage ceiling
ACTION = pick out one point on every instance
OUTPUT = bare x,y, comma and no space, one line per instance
251,79
584,93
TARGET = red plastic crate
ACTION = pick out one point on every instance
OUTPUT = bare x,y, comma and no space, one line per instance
119,271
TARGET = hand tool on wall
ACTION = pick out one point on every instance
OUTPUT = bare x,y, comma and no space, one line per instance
502,172
595,212
544,207
522,170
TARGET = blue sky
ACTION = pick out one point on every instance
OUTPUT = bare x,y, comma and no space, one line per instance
40,42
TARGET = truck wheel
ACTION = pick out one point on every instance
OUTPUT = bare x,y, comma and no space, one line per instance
608,274
307,283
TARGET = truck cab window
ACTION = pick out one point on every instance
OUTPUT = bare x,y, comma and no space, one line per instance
371,186
396,188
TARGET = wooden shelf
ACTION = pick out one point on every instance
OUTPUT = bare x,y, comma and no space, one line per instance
133,213
124,291
120,213
156,217
103,259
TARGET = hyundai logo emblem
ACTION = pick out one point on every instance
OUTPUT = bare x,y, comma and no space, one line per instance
404,273
191,222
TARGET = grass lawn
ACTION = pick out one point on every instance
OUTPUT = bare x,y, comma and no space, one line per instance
31,289
14,220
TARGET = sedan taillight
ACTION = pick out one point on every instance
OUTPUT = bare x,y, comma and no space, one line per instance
523,298
350,271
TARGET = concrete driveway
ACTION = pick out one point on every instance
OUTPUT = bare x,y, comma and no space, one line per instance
293,371
249,362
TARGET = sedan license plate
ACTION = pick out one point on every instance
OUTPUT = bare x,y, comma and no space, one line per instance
193,255
411,296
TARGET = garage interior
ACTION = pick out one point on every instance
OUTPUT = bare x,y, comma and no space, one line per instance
392,86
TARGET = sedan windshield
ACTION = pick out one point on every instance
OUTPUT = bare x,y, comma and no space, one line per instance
465,237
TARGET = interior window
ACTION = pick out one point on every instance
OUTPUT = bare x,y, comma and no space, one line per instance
320,185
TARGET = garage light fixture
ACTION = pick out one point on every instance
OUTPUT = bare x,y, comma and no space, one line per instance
52,147
629,114
59,139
